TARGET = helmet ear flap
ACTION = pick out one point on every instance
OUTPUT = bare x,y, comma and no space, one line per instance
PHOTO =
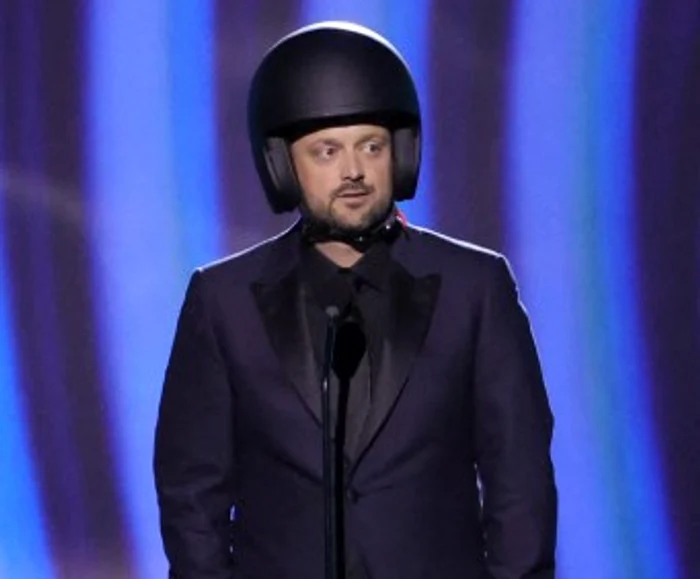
282,174
406,157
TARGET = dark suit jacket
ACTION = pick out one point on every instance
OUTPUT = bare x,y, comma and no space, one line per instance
460,416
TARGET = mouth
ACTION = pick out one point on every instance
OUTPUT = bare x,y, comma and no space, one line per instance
355,193
353,200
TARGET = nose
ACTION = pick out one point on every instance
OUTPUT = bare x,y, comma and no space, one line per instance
353,169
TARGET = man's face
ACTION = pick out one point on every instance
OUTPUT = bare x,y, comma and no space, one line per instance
345,175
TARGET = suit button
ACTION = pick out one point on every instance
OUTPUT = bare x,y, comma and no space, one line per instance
352,495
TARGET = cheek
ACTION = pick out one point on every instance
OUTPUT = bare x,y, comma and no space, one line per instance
316,186
383,180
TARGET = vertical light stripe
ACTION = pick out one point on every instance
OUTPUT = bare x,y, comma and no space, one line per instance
155,208
407,29
618,330
370,14
136,236
24,550
193,116
544,186
571,209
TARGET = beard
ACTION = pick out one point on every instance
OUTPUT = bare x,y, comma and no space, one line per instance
324,220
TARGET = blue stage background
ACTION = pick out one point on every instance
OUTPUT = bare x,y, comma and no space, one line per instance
563,133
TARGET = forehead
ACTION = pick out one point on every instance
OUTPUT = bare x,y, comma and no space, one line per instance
349,133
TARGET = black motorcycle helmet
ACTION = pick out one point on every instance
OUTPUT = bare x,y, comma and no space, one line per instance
323,75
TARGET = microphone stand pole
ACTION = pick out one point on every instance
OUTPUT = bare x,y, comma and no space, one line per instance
329,472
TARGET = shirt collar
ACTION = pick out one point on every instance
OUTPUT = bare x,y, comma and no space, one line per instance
325,277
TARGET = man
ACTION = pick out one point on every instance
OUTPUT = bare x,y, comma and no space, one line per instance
439,410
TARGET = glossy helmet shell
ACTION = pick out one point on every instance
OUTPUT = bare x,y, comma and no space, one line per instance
324,75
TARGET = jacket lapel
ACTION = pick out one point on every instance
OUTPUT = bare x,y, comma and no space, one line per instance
279,295
280,299
412,303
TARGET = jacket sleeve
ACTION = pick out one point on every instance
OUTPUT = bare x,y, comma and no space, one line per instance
512,440
194,447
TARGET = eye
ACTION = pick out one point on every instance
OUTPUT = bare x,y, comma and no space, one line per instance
374,147
324,152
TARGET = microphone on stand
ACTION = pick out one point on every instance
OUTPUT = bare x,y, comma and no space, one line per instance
350,348
331,543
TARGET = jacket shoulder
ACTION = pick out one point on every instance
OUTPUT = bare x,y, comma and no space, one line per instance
435,250
245,266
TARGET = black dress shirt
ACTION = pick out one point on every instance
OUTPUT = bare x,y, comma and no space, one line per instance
361,295
362,289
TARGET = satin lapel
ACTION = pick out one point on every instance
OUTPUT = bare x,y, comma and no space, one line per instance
281,306
413,301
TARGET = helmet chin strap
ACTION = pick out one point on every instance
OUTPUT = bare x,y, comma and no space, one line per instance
386,230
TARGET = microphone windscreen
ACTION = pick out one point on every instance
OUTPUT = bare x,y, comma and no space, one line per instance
332,312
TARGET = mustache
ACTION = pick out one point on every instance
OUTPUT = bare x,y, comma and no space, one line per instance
352,188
